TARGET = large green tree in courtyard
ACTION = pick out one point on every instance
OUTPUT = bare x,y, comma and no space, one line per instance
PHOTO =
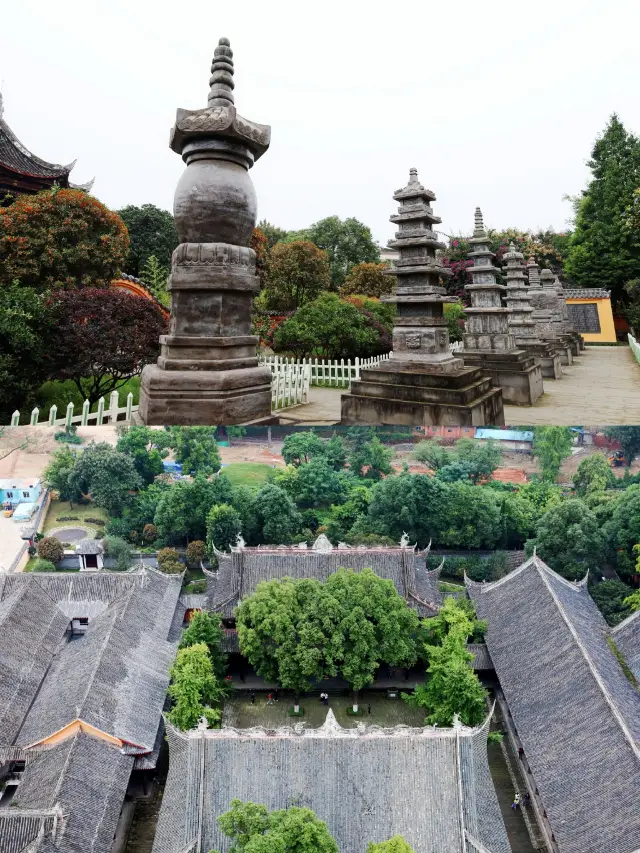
551,446
570,539
397,844
206,628
603,251
194,690
253,829
196,449
295,275
106,475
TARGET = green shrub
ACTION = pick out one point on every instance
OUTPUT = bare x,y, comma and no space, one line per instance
41,565
50,549
167,555
99,521
68,518
119,550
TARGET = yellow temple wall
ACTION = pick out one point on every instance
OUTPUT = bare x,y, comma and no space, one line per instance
607,333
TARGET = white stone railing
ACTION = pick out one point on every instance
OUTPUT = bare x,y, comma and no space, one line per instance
635,349
289,384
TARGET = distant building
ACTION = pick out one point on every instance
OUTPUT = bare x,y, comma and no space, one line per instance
389,255
590,314
21,172
90,554
509,439
19,490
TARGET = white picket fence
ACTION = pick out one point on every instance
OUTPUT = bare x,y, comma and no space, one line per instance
103,414
635,349
324,371
289,385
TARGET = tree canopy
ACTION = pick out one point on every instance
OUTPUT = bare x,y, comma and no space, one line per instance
368,279
570,539
60,238
347,242
628,437
397,844
196,449
104,473
194,689
551,446
296,274
206,628
604,252
152,232
253,829
102,338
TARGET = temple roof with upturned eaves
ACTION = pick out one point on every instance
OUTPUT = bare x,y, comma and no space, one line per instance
16,157
576,713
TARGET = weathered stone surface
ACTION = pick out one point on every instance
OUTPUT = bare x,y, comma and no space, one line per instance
422,383
208,372
545,314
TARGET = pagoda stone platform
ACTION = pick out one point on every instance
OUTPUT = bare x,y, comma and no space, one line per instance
489,343
422,384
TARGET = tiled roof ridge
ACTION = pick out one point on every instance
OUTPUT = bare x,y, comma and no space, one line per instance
625,624
431,604
66,762
534,560
459,786
592,667
37,161
331,728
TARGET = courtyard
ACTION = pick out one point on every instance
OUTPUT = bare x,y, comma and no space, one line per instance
602,385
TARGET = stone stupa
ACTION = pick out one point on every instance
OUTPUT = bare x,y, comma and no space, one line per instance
545,313
208,371
489,342
556,306
521,323
422,383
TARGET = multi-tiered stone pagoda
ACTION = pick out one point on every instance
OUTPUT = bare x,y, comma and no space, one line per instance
422,383
547,282
544,313
489,342
208,371
521,323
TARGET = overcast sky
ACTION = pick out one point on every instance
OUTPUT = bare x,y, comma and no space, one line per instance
496,103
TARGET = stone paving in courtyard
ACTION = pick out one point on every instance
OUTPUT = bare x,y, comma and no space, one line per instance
602,387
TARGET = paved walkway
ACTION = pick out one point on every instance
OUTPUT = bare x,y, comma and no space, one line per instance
601,388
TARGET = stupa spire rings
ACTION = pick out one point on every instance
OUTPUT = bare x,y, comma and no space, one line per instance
479,230
221,81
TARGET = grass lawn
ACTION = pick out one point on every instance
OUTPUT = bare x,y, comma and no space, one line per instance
240,713
79,514
251,474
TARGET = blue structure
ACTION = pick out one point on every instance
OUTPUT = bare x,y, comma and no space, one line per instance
19,490
171,467
504,434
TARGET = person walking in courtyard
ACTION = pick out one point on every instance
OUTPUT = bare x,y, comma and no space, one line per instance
275,694
253,698
369,710
516,801
270,699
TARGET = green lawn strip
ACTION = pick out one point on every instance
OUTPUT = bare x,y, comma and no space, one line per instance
251,474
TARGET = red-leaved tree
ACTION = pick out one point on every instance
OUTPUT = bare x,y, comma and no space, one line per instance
60,239
101,338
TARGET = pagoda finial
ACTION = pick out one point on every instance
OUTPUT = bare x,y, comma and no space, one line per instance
479,231
413,175
512,248
221,80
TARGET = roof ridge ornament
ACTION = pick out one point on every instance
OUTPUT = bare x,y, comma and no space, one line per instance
322,543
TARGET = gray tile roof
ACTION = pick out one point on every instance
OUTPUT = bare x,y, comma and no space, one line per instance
89,546
430,785
32,629
242,570
24,831
577,715
86,780
115,678
586,293
626,636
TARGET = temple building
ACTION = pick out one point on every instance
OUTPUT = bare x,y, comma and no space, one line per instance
591,315
423,383
430,785
84,674
242,570
21,172
574,711
489,342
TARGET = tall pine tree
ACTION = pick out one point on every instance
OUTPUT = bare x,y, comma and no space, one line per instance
604,252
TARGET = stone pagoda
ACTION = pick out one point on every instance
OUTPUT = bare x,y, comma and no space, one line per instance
489,342
577,341
422,383
208,371
521,323
544,313
555,304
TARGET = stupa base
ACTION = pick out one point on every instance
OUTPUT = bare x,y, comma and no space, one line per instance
205,397
564,350
548,357
516,372
576,342
412,398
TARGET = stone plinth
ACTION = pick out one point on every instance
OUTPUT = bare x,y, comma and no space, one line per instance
208,371
520,318
489,342
544,313
422,383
